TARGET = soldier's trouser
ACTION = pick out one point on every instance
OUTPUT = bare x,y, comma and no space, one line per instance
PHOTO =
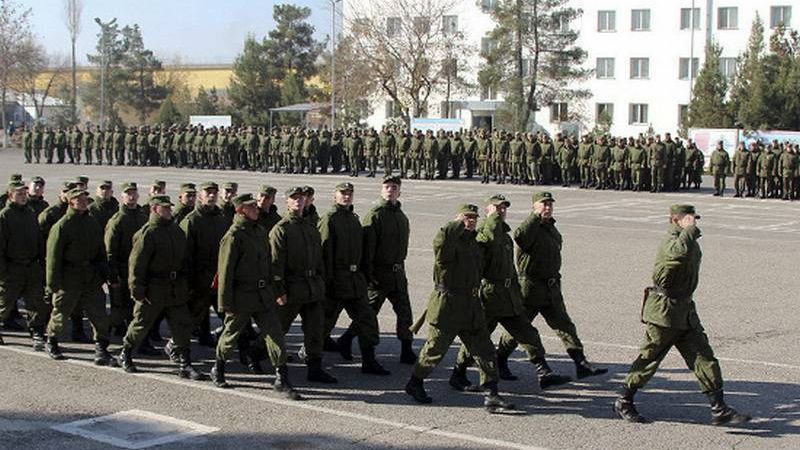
360,312
430,167
48,155
88,154
312,317
98,153
121,303
120,157
388,164
145,315
109,155
92,300
566,176
28,155
477,342
37,154
24,281
657,178
271,334
203,298
765,186
372,163
719,183
518,326
416,167
788,186
60,154
485,168
401,305
602,176
586,174
539,298
739,183
636,178
694,348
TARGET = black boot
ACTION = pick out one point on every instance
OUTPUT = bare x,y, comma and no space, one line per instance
78,335
186,370
345,345
458,379
254,358
38,339
626,409
407,355
101,355
283,385
584,368
502,367
492,401
371,365
547,377
52,348
169,350
416,389
317,373
218,374
125,360
721,413
2,342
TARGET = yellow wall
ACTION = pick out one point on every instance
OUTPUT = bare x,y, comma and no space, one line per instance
196,76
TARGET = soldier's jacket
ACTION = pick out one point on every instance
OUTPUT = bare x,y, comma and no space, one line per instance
457,269
118,142
204,228
533,152
788,163
21,242
50,216
157,267
430,148
539,255
130,141
263,144
417,144
619,156
88,140
109,140
670,148
637,157
102,210
370,145
500,292
275,146
297,146
60,139
342,249
601,156
181,211
517,150
501,149
268,219
198,142
228,211
720,162
387,143
676,274
444,147
456,148
404,143
386,233
76,255
47,142
766,163
311,215
244,269
37,205
484,150
119,238
310,146
658,155
470,148
752,162
567,156
297,266
741,159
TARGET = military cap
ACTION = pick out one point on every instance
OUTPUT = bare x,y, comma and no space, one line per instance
230,186
543,196
37,180
392,179
188,188
209,185
498,199
267,190
76,192
83,179
68,186
15,185
129,186
294,191
160,183
683,209
160,200
15,177
243,199
345,186
468,209
308,190
106,183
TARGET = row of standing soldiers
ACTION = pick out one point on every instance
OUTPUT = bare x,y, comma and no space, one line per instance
766,171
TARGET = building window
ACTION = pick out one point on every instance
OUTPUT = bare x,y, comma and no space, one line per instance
447,110
780,15
727,67
488,92
422,25
558,112
487,5
690,18
393,25
683,115
487,45
606,21
728,18
605,68
604,111
640,68
450,67
527,67
389,109
640,20
683,68
562,23
450,24
637,114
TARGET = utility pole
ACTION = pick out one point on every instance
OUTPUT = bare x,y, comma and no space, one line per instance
104,27
333,63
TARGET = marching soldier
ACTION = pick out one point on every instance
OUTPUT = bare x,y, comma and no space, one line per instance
268,215
104,205
36,200
186,202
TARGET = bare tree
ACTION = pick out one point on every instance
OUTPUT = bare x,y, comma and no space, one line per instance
38,75
72,19
406,43
15,37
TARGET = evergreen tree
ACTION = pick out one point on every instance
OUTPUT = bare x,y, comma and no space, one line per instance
292,91
707,108
290,46
252,88
748,100
169,114
141,92
206,102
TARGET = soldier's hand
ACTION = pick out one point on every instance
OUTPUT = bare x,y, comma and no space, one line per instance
281,300
688,220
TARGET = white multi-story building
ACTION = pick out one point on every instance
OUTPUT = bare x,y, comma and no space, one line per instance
644,56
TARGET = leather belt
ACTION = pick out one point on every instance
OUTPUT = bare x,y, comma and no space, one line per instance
445,290
501,281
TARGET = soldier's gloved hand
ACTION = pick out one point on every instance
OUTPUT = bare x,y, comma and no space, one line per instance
281,300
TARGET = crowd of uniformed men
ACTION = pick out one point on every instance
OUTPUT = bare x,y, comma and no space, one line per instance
639,164
233,252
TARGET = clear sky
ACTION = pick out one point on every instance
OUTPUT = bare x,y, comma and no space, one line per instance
194,31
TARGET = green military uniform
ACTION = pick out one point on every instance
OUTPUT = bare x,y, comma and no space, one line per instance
637,158
658,166
766,162
21,266
270,217
103,208
720,164
741,158
788,164
184,208
36,202
27,145
76,270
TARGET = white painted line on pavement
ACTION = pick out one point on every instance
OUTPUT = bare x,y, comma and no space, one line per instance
294,404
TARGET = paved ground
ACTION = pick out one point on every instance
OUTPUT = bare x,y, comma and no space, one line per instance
746,301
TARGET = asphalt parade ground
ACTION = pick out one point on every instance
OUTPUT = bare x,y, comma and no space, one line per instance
746,300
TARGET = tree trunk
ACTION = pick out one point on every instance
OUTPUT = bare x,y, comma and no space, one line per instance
520,116
74,86
3,114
